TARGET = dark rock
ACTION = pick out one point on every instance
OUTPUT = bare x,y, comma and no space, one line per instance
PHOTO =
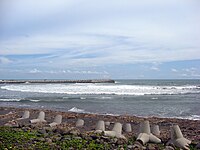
106,139
114,140
42,131
197,146
138,146
25,129
120,141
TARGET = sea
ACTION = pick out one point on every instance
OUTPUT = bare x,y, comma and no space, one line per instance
144,98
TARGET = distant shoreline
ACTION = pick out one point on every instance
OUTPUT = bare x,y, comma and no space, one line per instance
56,81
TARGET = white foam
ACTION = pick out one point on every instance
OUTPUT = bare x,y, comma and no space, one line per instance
10,99
109,89
34,100
74,109
192,117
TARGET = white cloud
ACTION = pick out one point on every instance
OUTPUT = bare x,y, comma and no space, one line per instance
154,68
174,70
86,33
35,71
190,72
69,72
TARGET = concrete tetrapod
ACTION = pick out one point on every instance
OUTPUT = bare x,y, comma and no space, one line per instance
40,118
177,138
116,131
127,127
57,121
155,130
100,126
145,135
79,123
26,115
107,123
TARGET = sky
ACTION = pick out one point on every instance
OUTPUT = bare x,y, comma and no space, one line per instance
101,39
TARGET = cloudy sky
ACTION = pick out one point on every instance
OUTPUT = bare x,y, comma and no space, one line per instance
80,39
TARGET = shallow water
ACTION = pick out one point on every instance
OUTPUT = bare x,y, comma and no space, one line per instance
162,98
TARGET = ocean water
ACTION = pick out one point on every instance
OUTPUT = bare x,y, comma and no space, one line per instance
161,98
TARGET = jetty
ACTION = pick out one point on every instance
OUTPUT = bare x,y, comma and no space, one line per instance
56,81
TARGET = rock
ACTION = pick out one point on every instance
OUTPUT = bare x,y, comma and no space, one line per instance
138,146
74,132
48,140
152,146
94,137
48,129
113,140
120,141
66,138
78,138
42,131
79,123
105,139
56,138
169,148
197,146
12,123
130,146
25,129
41,139
63,130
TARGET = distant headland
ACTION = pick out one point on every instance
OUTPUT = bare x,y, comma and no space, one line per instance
56,81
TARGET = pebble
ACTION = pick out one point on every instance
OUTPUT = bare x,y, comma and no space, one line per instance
48,140
169,148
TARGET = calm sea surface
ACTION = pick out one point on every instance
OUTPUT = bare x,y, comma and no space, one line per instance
162,98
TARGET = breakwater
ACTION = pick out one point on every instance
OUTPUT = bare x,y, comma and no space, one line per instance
56,81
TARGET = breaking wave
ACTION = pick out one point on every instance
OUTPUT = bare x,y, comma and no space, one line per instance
74,109
96,89
9,100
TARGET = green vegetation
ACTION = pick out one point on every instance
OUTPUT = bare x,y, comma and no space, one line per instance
11,138
19,139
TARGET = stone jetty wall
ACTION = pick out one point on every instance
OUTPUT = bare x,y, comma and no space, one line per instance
56,81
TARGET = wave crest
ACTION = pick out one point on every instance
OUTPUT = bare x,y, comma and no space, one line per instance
75,109
94,89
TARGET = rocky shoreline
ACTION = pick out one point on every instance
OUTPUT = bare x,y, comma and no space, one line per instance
68,136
